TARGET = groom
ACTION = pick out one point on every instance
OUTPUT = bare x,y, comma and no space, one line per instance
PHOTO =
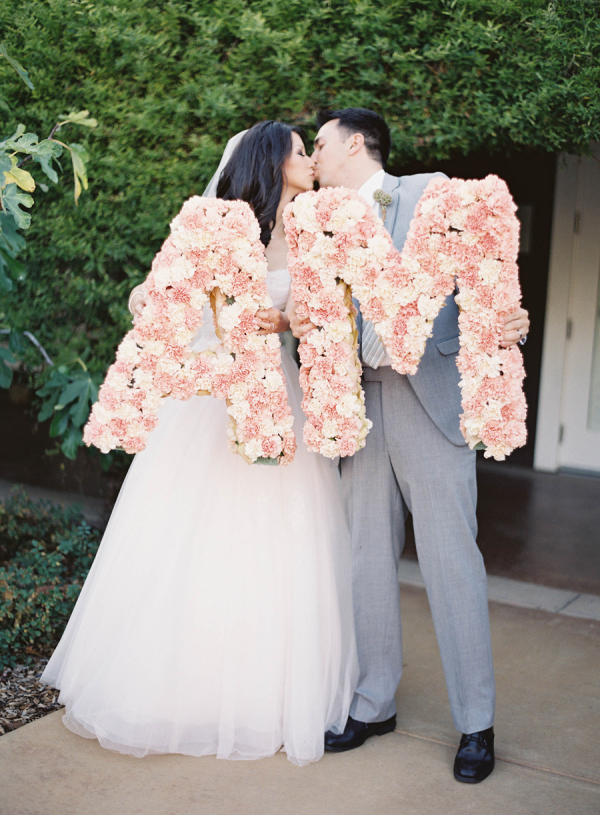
415,460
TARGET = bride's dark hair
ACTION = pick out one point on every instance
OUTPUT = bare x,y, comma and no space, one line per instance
254,173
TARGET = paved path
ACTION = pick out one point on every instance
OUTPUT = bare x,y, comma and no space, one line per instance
548,710
519,593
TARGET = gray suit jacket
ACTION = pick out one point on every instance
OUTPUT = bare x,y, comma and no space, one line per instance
436,380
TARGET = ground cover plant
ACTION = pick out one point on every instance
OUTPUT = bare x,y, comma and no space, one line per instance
45,554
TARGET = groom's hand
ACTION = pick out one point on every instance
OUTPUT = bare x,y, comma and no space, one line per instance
300,326
516,327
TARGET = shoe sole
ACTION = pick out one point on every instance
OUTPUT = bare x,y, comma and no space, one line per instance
384,730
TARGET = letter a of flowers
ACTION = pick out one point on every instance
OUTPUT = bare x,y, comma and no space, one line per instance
213,253
464,234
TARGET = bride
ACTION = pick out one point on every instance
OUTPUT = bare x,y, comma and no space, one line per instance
217,616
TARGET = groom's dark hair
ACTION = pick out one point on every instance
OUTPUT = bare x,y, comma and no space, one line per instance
361,120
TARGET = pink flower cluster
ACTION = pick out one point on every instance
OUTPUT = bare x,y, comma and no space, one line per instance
213,251
467,232
336,248
464,233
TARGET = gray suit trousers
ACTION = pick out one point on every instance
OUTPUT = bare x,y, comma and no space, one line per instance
409,465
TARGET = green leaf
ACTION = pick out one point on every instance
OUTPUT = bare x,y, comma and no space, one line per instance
80,118
52,387
12,201
5,163
15,342
10,243
45,153
21,143
18,68
72,442
6,283
6,354
15,267
18,132
13,240
6,375
73,391
58,379
17,176
59,424
47,410
79,157
81,409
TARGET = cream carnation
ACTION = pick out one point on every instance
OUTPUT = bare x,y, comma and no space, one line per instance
198,298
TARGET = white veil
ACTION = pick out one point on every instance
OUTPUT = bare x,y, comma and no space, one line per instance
211,190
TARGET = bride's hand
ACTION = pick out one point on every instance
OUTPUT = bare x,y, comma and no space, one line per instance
271,321
300,327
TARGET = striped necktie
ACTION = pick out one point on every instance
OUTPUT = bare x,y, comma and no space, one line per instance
372,351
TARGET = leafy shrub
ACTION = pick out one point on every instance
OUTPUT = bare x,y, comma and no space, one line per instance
68,397
169,82
68,394
45,554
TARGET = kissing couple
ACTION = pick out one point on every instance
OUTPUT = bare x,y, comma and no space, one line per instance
236,611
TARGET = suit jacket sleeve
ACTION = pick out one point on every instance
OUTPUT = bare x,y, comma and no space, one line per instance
436,381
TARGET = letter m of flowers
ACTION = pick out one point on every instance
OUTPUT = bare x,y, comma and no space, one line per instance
464,234
213,254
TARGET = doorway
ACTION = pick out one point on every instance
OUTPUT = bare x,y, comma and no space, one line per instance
568,435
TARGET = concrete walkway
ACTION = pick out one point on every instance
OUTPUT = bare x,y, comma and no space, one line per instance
520,593
547,743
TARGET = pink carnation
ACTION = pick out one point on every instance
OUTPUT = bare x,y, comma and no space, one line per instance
160,356
464,234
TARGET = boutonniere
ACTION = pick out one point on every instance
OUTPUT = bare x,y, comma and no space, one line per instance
384,199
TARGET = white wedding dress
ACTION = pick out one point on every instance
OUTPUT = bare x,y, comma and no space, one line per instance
217,616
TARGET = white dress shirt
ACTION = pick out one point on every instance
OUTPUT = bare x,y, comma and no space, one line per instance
367,191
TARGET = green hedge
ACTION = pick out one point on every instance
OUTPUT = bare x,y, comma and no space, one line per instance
45,554
170,80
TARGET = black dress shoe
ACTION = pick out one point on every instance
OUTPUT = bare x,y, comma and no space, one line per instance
356,733
475,758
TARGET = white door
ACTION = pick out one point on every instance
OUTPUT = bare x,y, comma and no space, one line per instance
579,440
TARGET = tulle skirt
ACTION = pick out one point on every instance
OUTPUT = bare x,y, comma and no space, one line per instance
217,616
